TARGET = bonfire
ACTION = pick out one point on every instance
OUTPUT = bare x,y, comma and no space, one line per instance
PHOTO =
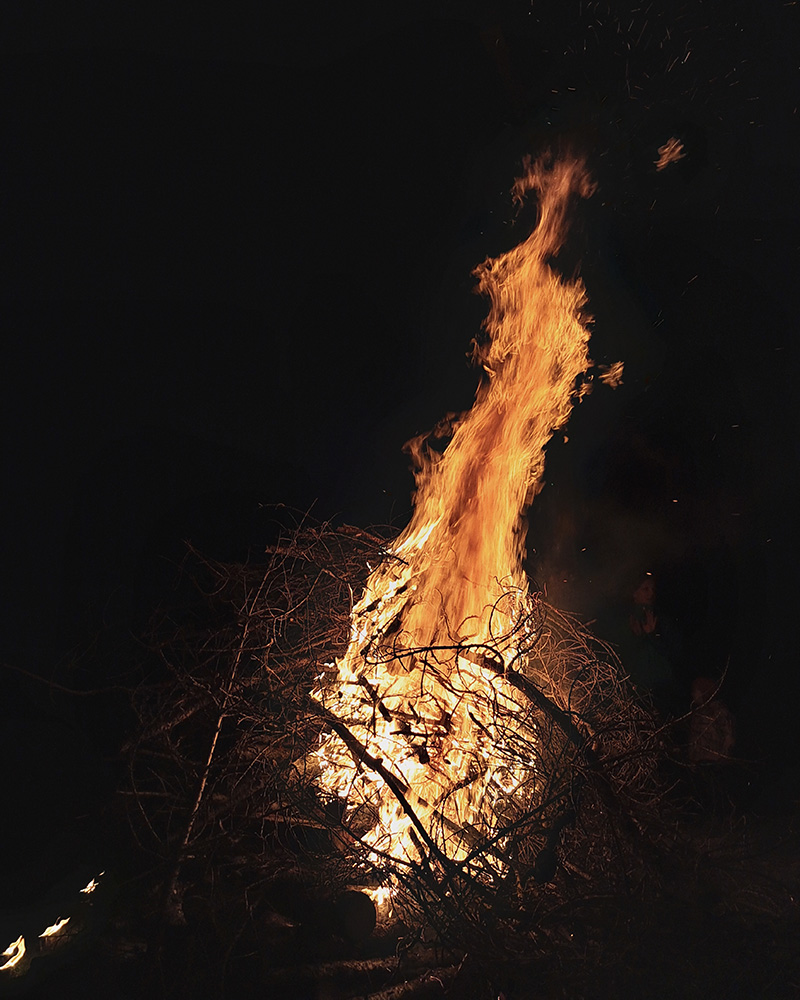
403,716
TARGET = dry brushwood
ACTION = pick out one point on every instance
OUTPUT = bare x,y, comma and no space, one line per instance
220,780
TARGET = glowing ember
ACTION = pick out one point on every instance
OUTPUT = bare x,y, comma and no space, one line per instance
432,750
14,953
53,929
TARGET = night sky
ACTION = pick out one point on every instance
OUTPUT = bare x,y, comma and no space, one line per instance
238,272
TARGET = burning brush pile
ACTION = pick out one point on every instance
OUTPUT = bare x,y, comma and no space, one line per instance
401,715
481,792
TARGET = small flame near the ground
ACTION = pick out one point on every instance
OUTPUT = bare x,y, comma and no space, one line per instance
421,685
17,955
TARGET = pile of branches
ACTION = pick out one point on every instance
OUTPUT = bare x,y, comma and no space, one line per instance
221,796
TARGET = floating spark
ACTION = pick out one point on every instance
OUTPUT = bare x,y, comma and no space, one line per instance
670,152
611,375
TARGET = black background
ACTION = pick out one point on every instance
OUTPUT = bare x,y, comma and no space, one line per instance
238,272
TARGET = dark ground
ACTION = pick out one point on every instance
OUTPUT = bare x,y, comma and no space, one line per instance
238,273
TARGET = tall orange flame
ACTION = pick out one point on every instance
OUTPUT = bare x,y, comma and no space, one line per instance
410,688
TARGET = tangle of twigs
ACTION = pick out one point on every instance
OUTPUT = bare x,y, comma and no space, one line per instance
219,769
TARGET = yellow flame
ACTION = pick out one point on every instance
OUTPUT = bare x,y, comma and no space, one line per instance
53,929
382,897
14,952
92,885
413,687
